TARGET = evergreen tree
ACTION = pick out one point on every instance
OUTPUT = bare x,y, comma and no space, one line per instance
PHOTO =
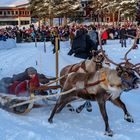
53,8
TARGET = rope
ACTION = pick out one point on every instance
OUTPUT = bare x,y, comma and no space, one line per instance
44,97
56,80
95,83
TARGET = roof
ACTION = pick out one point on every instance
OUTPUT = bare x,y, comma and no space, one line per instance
15,6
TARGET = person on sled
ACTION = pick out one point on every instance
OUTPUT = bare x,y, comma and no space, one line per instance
25,82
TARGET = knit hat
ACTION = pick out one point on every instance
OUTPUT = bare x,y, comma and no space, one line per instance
31,70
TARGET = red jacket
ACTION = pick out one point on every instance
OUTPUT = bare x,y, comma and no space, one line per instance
104,35
23,87
34,82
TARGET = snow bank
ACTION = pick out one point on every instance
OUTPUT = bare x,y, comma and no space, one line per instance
8,44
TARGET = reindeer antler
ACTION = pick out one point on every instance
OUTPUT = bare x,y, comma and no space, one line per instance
128,64
103,52
135,40
135,67
125,64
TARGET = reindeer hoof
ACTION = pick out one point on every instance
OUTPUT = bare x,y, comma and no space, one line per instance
50,120
70,107
79,109
129,118
88,106
109,133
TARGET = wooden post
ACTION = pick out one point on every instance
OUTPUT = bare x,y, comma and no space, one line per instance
36,47
56,54
35,42
45,45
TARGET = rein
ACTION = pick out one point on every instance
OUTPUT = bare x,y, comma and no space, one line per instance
94,83
103,79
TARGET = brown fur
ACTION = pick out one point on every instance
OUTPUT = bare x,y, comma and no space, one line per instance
100,92
90,66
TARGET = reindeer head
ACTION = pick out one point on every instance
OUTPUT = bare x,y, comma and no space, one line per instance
99,59
98,56
129,78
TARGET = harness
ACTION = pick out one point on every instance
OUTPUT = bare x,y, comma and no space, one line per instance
128,82
103,79
98,65
75,67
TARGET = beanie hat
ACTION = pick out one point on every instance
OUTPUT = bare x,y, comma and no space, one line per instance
31,70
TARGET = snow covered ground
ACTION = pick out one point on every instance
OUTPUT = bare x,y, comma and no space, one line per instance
67,125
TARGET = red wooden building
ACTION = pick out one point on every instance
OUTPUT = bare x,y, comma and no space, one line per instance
15,15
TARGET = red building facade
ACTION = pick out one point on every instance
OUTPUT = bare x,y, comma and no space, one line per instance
15,15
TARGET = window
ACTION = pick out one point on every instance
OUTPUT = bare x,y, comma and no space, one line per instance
24,22
0,12
8,12
16,12
4,13
12,12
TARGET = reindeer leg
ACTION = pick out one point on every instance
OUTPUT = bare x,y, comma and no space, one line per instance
102,106
61,107
118,102
80,108
58,103
67,100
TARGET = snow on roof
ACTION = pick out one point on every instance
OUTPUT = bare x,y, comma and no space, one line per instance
128,1
5,6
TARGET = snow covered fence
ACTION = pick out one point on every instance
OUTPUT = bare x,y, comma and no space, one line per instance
8,44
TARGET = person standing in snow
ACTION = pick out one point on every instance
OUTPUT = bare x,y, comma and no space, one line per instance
94,36
104,37
82,45
123,33
54,34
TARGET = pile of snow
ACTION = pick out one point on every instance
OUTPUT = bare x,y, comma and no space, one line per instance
8,44
67,125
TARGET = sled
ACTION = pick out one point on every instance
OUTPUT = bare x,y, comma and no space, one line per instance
7,100
44,92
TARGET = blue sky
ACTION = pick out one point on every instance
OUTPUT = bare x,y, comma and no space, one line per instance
12,2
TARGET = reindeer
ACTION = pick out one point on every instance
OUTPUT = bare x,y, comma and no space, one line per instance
99,59
101,85
88,66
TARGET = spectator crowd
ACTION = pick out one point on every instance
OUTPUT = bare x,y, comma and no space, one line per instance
83,38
